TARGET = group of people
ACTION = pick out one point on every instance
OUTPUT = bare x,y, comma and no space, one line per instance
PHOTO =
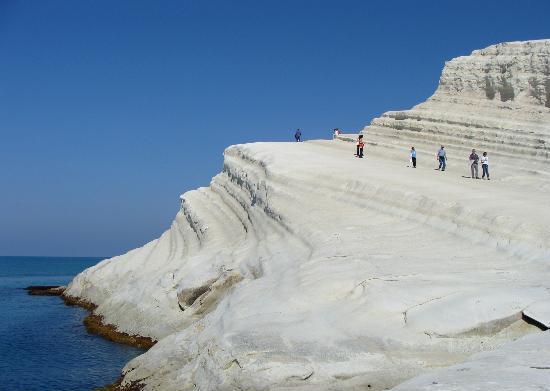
474,163
474,160
298,134
441,156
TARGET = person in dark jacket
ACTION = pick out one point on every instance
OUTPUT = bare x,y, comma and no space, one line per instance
442,157
298,135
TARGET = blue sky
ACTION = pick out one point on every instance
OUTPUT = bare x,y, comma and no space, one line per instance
109,110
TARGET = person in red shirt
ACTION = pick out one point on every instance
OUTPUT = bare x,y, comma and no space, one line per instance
360,146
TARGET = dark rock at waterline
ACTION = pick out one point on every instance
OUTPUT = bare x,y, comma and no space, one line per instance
94,324
45,290
76,301
117,386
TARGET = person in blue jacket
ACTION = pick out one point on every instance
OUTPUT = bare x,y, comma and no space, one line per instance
442,158
298,135
413,157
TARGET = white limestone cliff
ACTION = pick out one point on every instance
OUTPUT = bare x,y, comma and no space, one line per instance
302,267
497,98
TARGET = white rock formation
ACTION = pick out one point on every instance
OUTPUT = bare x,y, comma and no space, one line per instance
521,365
497,99
301,267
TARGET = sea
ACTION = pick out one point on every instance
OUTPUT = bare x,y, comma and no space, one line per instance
43,342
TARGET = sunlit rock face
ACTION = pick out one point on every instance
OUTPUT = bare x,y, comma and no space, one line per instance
302,267
515,72
496,99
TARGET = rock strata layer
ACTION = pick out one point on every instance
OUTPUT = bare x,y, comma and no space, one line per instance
303,268
496,99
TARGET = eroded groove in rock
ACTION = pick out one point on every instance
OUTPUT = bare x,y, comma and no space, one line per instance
189,296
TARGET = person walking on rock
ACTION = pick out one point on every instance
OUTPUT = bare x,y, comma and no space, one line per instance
474,161
485,165
298,135
360,146
413,157
442,157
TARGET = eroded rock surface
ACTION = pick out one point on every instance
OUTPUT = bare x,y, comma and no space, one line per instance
301,267
520,365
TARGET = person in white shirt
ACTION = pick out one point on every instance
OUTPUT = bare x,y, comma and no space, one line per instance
485,165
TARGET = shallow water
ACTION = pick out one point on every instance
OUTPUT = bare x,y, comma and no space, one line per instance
43,343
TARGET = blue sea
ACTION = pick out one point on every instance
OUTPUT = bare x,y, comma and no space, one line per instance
43,343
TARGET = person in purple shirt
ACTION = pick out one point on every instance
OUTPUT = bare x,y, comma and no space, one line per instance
474,164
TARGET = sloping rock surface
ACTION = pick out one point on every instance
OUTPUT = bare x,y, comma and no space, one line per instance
302,267
520,365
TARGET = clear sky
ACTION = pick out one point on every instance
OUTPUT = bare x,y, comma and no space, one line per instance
109,110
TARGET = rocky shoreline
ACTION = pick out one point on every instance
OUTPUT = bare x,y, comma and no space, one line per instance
95,325
117,386
93,322
45,290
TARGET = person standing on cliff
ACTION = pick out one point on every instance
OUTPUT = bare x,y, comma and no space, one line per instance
442,158
298,135
360,146
485,165
413,157
474,161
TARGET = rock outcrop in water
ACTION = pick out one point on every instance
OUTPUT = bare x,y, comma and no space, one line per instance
303,268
